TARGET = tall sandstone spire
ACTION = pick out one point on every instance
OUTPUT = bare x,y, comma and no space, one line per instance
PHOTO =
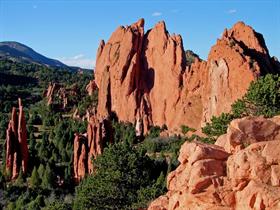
144,76
16,143
146,79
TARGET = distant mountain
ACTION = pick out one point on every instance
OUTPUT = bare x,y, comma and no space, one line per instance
21,53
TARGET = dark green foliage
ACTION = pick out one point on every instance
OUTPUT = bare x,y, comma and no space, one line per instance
262,98
154,132
185,129
163,144
41,171
36,204
47,178
35,180
88,102
218,125
50,133
190,57
146,193
264,95
3,125
122,172
20,179
58,205
124,132
239,109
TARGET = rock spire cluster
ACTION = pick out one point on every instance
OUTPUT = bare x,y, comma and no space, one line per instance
16,143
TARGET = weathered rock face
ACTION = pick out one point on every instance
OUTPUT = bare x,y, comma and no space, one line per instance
57,94
91,87
146,78
52,88
16,143
80,157
118,71
245,131
89,145
219,177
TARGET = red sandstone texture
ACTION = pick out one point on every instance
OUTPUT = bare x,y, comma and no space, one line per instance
91,87
16,143
144,78
89,145
59,95
148,79
242,171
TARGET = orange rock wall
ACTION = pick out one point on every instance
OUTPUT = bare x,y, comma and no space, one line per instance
144,76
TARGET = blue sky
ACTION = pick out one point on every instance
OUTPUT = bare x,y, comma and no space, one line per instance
71,30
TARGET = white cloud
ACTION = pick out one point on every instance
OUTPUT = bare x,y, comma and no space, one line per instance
231,11
79,60
156,14
76,57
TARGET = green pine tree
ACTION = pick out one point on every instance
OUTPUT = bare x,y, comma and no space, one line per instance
47,180
35,179
41,171
20,180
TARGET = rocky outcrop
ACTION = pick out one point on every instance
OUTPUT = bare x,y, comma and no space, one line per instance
52,88
16,143
145,78
91,87
245,131
242,173
80,157
89,145
58,96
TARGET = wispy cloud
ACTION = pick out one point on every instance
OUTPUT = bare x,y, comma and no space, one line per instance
175,11
34,6
232,11
76,57
79,60
156,14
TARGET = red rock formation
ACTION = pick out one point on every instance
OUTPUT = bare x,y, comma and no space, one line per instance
53,87
80,157
57,92
91,87
89,145
245,131
209,177
145,77
16,143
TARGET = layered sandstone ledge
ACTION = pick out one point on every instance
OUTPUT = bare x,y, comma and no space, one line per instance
241,171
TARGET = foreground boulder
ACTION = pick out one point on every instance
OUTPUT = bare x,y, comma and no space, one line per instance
248,130
16,143
209,177
145,78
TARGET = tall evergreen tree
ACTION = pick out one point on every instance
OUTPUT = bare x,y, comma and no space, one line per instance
47,179
35,179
